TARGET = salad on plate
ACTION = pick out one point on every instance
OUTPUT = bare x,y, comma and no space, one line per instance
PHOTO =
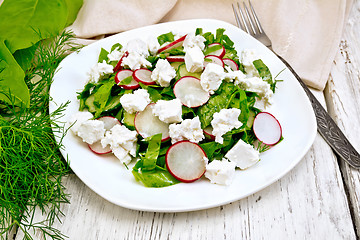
179,107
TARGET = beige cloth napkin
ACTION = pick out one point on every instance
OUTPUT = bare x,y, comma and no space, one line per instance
304,32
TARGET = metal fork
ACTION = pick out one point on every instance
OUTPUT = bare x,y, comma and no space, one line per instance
248,21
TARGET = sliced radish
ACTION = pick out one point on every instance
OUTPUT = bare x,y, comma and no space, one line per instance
213,59
186,161
190,92
143,75
208,132
267,128
231,63
121,75
118,66
109,123
179,58
172,45
219,52
147,124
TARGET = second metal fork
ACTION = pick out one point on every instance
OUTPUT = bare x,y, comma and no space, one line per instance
248,21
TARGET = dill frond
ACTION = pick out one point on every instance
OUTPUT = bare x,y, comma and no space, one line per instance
31,166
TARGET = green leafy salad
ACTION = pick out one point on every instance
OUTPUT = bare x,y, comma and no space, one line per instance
179,107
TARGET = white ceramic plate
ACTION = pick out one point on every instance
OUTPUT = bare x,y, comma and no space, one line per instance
111,180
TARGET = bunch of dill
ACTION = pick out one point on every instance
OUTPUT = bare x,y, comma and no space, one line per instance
31,166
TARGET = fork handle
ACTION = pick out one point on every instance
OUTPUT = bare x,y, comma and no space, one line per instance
327,126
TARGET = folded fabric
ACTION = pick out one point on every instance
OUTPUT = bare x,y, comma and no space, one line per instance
306,33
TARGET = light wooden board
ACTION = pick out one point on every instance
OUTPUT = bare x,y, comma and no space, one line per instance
308,203
343,98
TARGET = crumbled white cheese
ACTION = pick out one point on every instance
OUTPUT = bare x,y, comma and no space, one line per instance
212,77
153,45
233,76
163,73
247,58
259,86
115,55
122,142
168,111
77,119
91,131
194,59
220,172
136,101
137,54
189,129
243,154
224,121
98,70
192,40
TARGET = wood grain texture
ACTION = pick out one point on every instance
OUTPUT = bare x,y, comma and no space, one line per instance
316,200
343,99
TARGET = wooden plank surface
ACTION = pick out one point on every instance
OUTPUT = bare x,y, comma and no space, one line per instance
308,203
343,99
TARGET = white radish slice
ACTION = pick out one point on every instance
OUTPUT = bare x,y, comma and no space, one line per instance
208,132
177,43
179,58
231,63
143,75
147,124
267,128
213,59
188,89
220,52
109,122
186,161
121,75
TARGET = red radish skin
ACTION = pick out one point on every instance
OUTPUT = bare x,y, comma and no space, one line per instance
190,92
172,45
176,58
118,66
185,161
220,53
143,75
267,128
121,75
147,124
214,59
109,122
231,63
208,132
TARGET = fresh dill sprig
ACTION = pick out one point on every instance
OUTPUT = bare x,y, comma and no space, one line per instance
31,166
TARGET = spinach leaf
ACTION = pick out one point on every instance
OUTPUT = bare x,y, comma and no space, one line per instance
101,97
166,37
103,55
265,73
152,152
12,84
156,178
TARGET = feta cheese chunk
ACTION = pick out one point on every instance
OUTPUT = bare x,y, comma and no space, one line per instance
220,172
98,70
163,73
247,58
136,101
168,111
243,154
224,121
194,59
137,54
91,131
212,77
189,129
153,45
122,142
259,86
192,40
77,119
115,55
